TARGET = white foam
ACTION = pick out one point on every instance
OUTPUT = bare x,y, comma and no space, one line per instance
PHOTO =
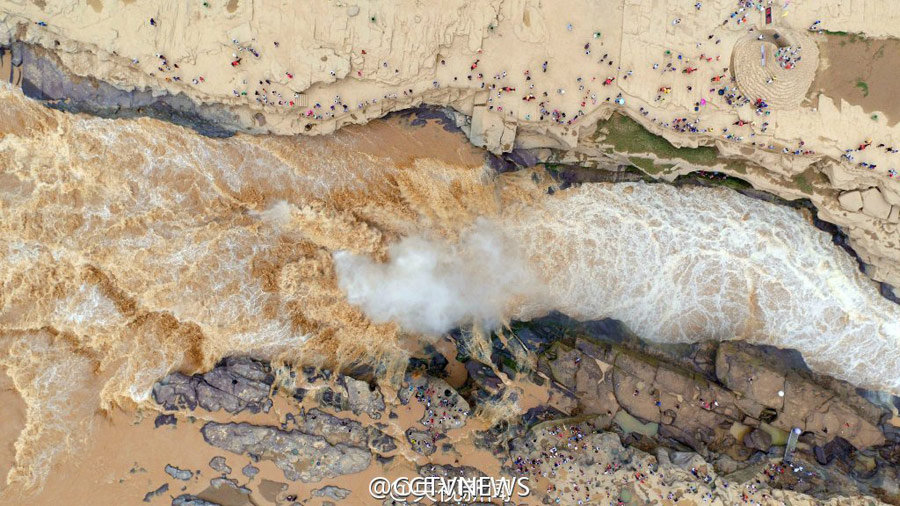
431,286
690,264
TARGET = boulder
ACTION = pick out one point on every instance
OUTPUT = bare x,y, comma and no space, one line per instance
235,385
162,489
218,464
363,398
565,365
164,420
851,201
875,205
838,448
178,474
332,492
250,470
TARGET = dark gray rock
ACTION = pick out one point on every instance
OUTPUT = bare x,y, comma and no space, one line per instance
332,492
363,397
164,420
250,471
838,448
159,491
230,484
300,456
218,464
179,474
235,385
45,78
191,500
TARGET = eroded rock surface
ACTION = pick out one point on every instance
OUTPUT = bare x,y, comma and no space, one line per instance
238,384
300,456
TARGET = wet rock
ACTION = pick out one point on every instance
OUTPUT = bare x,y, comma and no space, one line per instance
801,399
334,399
229,484
789,400
381,443
565,366
434,363
562,399
332,492
300,456
179,474
484,377
363,398
191,500
338,430
164,420
235,385
159,491
218,464
594,387
45,78
250,471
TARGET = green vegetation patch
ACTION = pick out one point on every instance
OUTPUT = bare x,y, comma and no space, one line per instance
628,136
649,166
804,181
863,86
848,37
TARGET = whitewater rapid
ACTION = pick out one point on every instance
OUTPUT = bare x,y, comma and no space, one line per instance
690,264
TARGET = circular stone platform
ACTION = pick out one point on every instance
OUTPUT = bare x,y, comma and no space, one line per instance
761,74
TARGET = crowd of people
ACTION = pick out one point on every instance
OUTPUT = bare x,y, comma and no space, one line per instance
582,464
694,92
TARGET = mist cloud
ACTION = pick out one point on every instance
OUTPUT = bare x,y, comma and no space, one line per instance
433,286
